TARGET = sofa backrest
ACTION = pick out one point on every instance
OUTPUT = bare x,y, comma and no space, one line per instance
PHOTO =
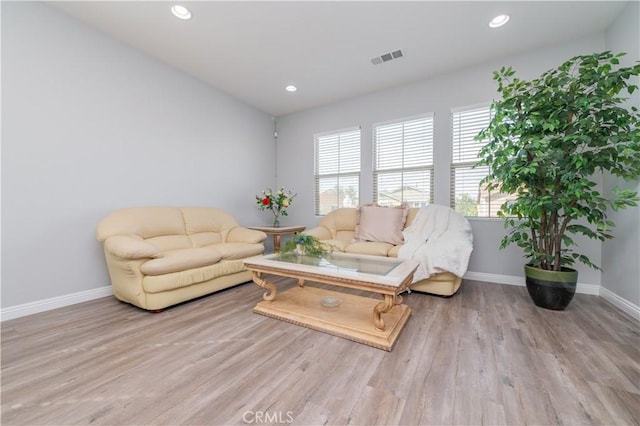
146,222
207,225
342,222
169,228
413,211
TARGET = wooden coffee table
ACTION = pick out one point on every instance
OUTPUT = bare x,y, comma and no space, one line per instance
366,320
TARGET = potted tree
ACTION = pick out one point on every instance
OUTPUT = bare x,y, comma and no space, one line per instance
545,144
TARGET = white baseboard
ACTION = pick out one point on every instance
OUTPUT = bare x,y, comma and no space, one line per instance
582,288
494,278
620,303
53,303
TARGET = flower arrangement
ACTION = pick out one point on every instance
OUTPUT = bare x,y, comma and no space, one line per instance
277,203
305,245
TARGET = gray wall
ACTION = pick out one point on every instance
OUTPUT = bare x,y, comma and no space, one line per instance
89,126
438,95
621,256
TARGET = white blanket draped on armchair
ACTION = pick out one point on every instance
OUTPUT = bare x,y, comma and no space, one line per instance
440,239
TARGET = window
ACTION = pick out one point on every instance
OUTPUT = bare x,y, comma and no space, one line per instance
337,173
403,162
467,196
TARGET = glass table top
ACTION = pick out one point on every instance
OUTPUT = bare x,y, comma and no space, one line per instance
342,263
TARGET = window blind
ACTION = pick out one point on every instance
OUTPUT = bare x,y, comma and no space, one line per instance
403,162
337,170
467,195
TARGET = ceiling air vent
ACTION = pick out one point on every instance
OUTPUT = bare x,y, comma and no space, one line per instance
387,57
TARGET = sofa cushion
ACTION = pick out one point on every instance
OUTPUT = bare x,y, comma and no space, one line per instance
245,235
335,245
381,224
186,278
202,239
170,242
180,260
369,247
236,250
393,252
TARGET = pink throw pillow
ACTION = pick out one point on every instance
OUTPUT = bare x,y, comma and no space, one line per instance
381,224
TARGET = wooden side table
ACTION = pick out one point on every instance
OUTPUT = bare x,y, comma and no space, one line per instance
277,232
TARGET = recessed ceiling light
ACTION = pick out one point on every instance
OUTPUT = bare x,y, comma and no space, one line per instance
499,21
291,88
181,12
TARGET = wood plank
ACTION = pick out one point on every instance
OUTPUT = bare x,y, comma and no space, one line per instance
484,356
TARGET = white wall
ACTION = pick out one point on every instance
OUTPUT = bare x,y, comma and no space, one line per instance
89,126
438,95
621,256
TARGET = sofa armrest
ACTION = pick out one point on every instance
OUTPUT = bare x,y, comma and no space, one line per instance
245,235
126,247
319,232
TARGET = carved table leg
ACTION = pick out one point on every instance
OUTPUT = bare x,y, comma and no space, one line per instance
271,294
300,282
382,308
398,300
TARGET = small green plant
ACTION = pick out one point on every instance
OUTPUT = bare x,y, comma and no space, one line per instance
548,138
305,245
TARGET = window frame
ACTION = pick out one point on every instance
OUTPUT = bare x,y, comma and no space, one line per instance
429,168
468,164
318,177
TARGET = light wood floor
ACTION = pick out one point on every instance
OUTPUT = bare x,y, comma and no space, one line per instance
484,356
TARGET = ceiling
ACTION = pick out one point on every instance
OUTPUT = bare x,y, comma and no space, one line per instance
252,50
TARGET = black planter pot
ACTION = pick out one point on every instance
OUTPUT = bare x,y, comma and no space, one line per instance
551,289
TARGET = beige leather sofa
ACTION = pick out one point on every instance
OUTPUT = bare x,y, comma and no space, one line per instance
161,256
337,230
